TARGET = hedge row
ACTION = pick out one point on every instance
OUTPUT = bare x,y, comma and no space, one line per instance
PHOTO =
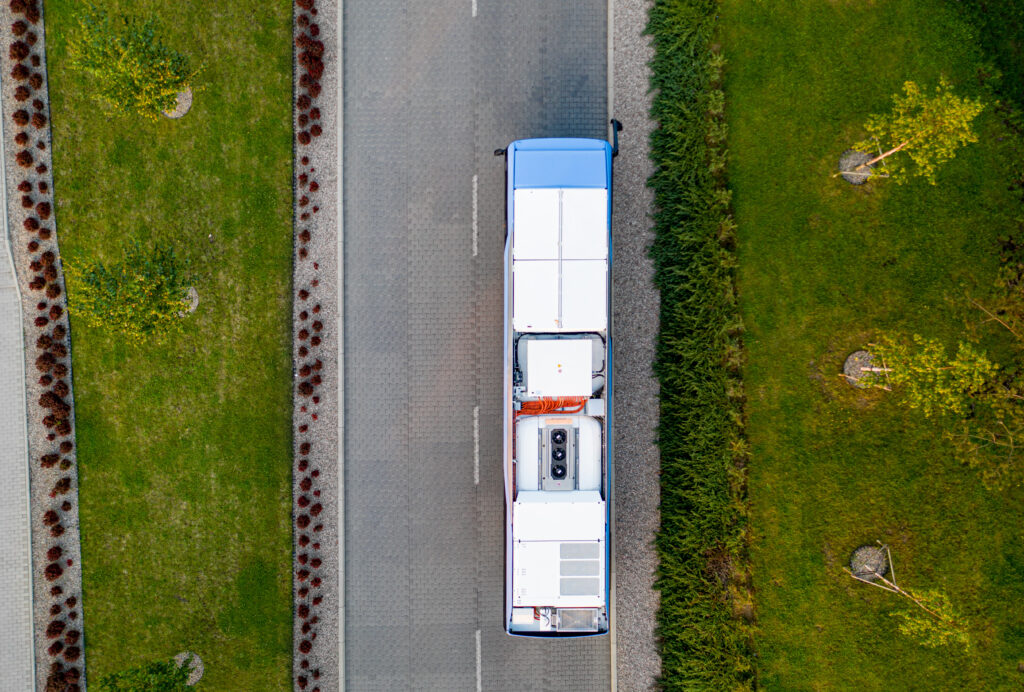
704,623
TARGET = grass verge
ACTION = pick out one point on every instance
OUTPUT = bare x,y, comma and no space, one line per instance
823,268
704,639
184,445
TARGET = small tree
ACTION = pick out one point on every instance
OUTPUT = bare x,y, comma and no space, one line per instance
140,295
935,624
134,71
157,676
928,128
932,381
988,433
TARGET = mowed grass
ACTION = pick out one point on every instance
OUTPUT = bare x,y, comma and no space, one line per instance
823,268
185,444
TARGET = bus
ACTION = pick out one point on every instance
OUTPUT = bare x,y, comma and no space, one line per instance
558,386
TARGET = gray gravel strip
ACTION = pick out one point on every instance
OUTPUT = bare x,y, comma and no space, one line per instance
315,319
637,304
57,577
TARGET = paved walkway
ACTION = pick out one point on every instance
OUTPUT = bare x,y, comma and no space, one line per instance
16,653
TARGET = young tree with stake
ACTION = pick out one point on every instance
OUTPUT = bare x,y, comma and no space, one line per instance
927,128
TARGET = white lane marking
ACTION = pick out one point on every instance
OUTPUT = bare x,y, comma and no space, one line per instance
474,216
476,445
474,8
479,677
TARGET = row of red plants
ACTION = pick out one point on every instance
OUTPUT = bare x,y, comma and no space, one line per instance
52,357
309,575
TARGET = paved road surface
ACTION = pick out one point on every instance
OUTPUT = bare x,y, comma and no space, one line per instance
430,91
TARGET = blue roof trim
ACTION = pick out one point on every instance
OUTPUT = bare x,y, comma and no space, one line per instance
560,163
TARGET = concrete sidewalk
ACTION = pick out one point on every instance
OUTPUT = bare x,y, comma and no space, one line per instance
16,653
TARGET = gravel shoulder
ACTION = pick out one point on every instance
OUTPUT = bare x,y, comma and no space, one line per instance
637,304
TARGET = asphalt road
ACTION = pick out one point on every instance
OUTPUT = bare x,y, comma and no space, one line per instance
431,90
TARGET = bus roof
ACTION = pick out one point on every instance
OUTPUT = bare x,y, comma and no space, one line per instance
560,163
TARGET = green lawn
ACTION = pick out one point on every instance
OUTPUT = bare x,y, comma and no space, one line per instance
185,446
823,267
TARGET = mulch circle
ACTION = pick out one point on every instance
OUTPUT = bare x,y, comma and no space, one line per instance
850,161
195,665
853,369
184,105
869,562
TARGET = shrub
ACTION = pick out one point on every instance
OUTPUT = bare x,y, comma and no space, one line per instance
702,644
72,653
24,159
157,676
59,332
72,636
304,137
20,72
45,233
22,93
63,486
36,80
41,321
53,572
52,290
54,553
62,389
19,28
66,446
57,646
21,139
19,50
138,296
44,363
55,312
133,70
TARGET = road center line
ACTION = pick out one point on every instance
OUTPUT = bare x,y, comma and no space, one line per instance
479,677
474,203
474,8
476,445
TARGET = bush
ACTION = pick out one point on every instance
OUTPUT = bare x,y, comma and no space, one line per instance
704,646
133,70
158,676
138,296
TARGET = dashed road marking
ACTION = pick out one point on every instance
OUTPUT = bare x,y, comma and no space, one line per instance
474,212
479,677
476,445
474,8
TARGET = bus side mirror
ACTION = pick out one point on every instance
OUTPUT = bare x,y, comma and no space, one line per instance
616,129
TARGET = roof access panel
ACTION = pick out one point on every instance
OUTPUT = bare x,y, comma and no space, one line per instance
584,229
535,224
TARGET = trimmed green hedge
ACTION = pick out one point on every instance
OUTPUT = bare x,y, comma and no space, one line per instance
703,575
